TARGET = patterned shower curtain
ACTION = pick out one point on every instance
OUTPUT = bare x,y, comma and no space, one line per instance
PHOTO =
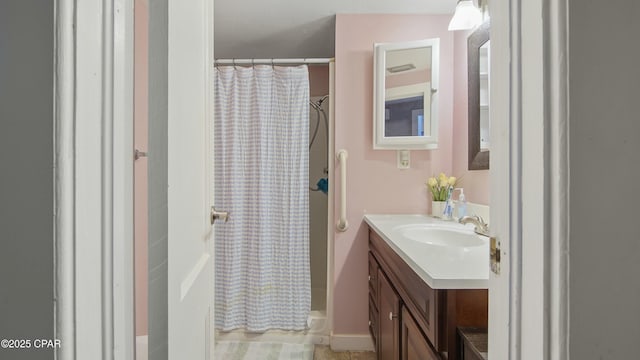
261,177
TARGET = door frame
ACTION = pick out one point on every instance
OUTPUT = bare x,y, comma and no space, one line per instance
93,182
92,196
530,93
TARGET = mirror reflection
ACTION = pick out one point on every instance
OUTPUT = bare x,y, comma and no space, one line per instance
485,125
406,82
407,90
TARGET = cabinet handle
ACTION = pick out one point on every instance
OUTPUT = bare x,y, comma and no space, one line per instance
369,277
391,316
369,323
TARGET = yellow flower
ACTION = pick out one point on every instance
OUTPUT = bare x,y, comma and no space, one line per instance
440,185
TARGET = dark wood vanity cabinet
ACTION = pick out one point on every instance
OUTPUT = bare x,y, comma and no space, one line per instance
414,344
473,343
410,320
374,314
389,323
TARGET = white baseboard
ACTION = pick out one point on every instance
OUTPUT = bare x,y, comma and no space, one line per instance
351,342
142,347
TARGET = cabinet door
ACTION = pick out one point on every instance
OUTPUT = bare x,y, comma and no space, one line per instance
373,324
373,279
373,300
389,335
415,345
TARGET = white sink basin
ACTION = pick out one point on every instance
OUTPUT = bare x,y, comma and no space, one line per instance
445,254
439,235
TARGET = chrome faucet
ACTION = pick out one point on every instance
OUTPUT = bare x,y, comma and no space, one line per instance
481,228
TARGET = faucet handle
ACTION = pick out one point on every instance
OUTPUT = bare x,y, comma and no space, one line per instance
481,227
484,227
480,220
472,218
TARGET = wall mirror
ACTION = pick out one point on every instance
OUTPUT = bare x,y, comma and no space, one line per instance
478,46
405,114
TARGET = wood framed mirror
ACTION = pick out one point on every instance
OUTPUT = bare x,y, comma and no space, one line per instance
478,46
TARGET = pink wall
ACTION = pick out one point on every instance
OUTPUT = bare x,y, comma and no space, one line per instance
375,184
140,166
475,182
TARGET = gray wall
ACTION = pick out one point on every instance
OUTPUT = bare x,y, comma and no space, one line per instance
605,174
158,179
26,174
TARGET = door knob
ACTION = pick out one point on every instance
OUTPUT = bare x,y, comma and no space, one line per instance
219,215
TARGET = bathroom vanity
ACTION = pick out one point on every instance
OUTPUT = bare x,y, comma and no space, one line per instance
422,287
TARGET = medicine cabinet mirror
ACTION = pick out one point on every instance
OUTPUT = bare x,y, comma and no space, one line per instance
478,46
405,99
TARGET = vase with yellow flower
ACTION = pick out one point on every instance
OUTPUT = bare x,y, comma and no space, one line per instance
440,189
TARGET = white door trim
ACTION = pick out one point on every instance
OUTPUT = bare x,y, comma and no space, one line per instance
123,181
558,114
544,207
93,179
503,310
529,39
64,179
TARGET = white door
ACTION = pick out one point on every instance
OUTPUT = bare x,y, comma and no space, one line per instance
190,234
499,304
499,309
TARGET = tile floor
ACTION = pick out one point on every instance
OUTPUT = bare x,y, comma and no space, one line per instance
323,352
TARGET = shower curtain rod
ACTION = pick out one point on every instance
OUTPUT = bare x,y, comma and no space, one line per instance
299,61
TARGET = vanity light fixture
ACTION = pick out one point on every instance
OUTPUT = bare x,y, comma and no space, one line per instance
467,16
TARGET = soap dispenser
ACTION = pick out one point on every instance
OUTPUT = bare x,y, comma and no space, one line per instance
462,204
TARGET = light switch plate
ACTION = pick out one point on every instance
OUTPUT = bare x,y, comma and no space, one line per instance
404,159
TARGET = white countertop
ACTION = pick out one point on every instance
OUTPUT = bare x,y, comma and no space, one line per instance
441,267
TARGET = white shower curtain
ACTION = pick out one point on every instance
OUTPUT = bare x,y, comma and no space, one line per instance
261,177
